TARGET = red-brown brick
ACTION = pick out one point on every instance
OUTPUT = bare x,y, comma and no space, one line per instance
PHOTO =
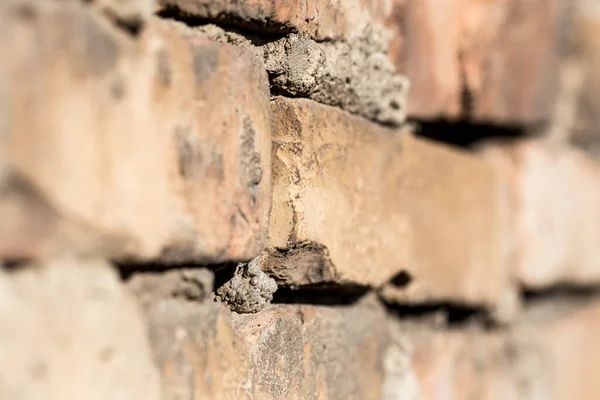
491,61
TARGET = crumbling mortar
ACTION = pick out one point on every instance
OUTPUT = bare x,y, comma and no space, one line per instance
355,75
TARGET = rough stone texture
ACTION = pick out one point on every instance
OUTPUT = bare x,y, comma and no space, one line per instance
373,204
492,61
553,197
212,101
357,77
69,331
283,352
321,19
121,147
249,290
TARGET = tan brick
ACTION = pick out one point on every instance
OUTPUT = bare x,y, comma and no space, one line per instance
321,19
212,101
484,60
123,147
284,352
355,203
553,196
69,330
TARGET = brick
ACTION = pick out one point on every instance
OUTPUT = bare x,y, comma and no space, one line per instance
460,364
284,352
212,100
69,330
321,19
487,61
553,198
78,138
571,341
358,204
121,147
550,354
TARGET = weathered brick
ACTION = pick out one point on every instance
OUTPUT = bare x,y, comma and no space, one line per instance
284,352
358,204
78,138
462,364
321,19
70,331
156,147
492,61
212,101
553,197
552,354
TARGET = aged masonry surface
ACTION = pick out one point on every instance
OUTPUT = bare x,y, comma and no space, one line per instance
242,199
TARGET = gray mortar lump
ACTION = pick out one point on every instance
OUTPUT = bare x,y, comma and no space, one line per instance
249,290
356,76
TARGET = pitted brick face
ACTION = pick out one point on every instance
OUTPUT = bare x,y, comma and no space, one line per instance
250,162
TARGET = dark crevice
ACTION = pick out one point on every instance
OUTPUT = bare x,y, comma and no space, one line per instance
467,98
321,294
560,292
401,279
15,264
258,33
446,314
558,301
469,135
223,274
127,270
133,27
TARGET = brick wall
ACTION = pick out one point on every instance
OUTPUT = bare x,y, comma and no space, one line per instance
358,199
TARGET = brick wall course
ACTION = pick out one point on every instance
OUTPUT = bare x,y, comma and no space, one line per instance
248,167
358,204
286,351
